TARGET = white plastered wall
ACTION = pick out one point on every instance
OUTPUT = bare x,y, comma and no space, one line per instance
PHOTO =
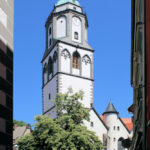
50,88
76,28
77,84
98,126
61,26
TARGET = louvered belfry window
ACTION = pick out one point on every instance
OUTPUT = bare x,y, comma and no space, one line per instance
75,62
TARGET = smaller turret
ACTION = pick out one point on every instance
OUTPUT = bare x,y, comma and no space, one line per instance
111,120
110,109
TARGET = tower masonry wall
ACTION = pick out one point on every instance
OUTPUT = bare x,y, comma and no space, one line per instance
86,65
50,81
49,94
68,6
76,83
55,65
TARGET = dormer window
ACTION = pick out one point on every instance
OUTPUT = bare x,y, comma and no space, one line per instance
76,35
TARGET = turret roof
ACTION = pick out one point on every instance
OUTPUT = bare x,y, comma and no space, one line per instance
61,2
110,109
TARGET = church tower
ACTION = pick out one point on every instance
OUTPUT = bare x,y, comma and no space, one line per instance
68,58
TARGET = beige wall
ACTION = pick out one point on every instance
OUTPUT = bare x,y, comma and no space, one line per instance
6,22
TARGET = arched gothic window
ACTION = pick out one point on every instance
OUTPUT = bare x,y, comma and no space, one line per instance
61,26
55,56
86,59
50,31
50,66
76,60
45,68
44,72
65,53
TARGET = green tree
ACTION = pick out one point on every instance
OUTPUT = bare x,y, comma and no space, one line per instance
66,132
19,123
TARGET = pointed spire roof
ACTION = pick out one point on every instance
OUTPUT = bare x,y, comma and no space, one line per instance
110,109
61,2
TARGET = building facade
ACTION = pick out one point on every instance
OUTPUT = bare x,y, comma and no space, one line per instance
6,74
68,63
140,73
19,132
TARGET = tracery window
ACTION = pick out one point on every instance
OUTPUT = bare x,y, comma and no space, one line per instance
86,59
65,53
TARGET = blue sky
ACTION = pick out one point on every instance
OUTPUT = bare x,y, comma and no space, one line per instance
109,34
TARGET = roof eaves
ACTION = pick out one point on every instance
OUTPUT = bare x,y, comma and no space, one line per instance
125,125
100,118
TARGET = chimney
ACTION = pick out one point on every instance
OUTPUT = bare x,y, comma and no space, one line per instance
15,126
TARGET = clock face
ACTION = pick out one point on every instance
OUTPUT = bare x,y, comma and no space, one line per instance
76,21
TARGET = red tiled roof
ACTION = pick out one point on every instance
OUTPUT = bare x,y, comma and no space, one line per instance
127,121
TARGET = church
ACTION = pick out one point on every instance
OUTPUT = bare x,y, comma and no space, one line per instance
68,62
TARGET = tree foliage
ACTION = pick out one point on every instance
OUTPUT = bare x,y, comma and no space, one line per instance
19,123
66,132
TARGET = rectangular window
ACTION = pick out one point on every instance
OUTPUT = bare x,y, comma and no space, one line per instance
74,8
49,96
3,17
92,124
76,35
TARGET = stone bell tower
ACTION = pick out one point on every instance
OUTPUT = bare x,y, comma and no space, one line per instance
68,59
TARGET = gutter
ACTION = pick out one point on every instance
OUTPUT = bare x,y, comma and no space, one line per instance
144,74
